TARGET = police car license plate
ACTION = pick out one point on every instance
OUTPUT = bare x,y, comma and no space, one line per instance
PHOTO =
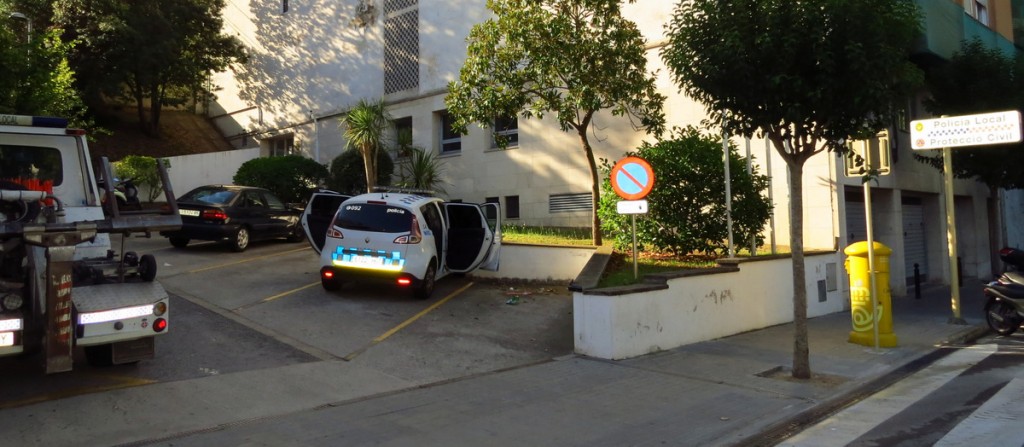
372,261
193,213
6,338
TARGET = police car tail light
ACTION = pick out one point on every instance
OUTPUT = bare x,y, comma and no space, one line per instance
404,281
414,236
335,233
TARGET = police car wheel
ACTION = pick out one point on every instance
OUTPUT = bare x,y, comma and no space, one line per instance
426,286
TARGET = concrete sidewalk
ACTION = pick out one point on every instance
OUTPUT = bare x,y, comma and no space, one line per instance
731,391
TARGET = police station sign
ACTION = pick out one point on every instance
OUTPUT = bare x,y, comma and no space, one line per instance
966,130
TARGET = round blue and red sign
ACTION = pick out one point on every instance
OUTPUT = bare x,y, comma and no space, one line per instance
632,178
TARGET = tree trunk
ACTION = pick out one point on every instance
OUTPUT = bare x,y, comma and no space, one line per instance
595,185
801,351
370,164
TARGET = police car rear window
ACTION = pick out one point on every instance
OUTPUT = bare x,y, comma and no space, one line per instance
379,218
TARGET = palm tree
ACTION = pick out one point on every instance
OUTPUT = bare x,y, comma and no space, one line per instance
422,170
365,127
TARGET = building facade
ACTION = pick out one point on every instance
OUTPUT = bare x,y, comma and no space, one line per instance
312,60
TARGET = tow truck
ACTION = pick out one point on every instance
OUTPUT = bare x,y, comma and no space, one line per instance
62,287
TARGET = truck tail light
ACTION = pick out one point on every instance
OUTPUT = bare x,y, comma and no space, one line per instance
159,325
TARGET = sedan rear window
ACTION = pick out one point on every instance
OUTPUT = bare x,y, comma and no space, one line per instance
379,218
212,196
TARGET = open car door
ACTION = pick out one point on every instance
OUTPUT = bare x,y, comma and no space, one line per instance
492,211
318,215
470,237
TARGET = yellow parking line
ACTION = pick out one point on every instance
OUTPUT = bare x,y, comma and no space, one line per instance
213,267
405,323
272,298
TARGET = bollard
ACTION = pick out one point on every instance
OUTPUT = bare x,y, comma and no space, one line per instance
917,281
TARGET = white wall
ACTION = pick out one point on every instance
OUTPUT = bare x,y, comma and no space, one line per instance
618,325
561,264
188,172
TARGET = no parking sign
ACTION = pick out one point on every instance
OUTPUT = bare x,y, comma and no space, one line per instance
632,178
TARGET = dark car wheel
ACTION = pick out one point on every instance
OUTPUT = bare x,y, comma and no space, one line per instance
426,286
297,235
179,242
241,239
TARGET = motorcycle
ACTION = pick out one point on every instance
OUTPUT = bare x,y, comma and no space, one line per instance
126,194
1004,304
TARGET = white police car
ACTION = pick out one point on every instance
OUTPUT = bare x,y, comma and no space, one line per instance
408,238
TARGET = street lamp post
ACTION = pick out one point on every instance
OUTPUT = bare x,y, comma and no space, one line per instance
28,23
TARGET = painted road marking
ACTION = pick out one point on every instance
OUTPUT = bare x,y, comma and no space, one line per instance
272,298
243,261
407,322
849,424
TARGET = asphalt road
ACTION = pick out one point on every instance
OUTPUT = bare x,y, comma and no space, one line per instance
265,308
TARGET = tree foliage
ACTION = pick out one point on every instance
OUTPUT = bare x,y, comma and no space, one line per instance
291,177
154,53
687,212
348,172
364,126
567,58
422,170
37,77
979,79
805,74
143,171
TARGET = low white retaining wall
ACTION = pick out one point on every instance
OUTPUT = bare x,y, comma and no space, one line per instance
214,168
539,263
689,307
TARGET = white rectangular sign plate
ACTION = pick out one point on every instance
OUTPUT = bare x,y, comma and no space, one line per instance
966,130
631,206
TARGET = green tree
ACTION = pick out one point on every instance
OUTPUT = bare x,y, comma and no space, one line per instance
365,126
291,177
348,172
569,58
153,52
143,172
422,170
37,77
805,74
687,212
979,79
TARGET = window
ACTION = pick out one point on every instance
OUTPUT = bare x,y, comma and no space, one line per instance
451,141
489,212
282,146
403,136
506,130
401,46
28,164
511,207
273,202
979,10
284,6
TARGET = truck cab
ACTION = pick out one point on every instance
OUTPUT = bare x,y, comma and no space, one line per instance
61,284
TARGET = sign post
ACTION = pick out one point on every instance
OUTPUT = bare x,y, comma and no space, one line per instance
958,131
632,179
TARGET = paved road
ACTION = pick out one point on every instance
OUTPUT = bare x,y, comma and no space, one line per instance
264,308
970,397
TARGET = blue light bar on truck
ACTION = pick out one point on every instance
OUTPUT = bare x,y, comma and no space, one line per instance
36,121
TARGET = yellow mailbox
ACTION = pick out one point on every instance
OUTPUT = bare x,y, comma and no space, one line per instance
861,308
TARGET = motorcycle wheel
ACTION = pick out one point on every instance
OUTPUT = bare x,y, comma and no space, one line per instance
1001,317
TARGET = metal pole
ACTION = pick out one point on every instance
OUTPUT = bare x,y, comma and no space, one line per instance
316,137
728,191
768,168
871,261
28,24
636,273
954,272
750,173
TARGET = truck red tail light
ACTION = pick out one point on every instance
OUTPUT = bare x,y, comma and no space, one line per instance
159,325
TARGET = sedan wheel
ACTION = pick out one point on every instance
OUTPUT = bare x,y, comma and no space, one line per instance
179,242
241,239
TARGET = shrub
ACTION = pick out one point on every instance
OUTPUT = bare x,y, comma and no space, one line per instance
686,208
348,173
291,177
143,172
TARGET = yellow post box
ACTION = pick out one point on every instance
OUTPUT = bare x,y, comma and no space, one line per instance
861,308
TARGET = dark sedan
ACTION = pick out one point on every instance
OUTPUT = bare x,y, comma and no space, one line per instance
234,215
